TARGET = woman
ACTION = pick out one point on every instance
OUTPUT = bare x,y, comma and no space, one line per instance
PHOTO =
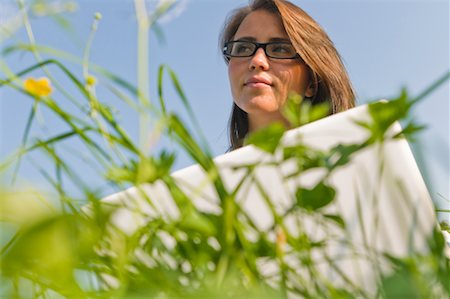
273,48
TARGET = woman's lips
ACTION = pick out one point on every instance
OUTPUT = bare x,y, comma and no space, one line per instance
258,82
257,85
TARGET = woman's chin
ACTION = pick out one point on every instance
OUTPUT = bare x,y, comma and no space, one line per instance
261,105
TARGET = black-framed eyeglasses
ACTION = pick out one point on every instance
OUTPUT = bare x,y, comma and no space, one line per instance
278,50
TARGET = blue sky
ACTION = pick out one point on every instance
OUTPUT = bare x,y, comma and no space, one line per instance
386,45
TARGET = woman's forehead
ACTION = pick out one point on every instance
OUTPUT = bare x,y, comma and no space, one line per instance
262,26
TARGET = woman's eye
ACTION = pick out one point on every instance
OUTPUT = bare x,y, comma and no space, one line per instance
282,49
242,49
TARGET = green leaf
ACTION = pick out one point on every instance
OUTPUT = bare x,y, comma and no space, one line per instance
119,174
163,8
410,130
51,249
340,155
161,90
340,293
437,242
159,34
186,140
318,197
319,111
193,220
305,157
291,110
299,112
264,247
267,138
148,170
337,219
297,151
177,86
385,113
400,285
69,57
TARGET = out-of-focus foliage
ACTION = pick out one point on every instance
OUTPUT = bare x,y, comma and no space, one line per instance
63,246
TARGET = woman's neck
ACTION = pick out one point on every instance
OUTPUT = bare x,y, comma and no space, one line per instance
257,122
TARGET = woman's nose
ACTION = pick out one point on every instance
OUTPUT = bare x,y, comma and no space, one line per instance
259,60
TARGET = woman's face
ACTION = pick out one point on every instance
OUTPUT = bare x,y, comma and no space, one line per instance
261,85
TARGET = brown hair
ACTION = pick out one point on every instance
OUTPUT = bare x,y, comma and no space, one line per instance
331,80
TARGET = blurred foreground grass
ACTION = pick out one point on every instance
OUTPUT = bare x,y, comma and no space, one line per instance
61,246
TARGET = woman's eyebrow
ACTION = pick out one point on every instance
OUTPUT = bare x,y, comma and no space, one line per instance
279,39
247,39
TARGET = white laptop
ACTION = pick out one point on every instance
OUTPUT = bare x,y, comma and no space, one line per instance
380,194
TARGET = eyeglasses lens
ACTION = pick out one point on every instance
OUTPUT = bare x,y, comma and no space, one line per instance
247,49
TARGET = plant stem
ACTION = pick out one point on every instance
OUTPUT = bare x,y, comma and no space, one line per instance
38,57
142,71
441,80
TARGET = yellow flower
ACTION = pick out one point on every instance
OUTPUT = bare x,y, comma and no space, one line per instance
281,240
38,87
90,80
